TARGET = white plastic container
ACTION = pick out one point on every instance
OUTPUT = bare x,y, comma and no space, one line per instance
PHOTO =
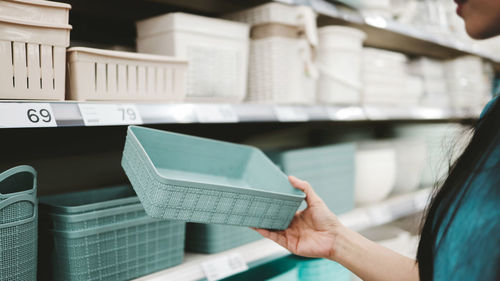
33,39
411,154
375,174
281,68
217,51
339,63
96,74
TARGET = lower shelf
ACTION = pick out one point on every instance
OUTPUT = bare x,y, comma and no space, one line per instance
262,251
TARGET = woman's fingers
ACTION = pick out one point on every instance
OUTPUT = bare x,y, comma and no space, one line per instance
277,236
311,197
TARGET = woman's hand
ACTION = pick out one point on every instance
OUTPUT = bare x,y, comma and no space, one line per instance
312,232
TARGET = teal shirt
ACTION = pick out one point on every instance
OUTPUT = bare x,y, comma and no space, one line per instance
471,248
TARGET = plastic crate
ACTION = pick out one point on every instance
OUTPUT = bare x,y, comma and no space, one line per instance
199,180
33,39
217,51
96,74
18,224
214,238
329,169
108,242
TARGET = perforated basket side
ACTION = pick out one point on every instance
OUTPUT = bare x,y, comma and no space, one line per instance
203,205
121,254
209,239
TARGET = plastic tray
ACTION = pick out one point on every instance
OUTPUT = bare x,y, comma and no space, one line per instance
33,38
96,74
119,242
18,224
329,170
89,200
199,180
214,238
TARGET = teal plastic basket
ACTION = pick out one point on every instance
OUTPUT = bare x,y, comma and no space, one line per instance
214,238
329,170
107,241
199,180
322,270
18,224
283,269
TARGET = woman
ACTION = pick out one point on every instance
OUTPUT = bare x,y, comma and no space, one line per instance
460,238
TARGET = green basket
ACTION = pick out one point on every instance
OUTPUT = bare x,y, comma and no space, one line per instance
214,238
119,242
322,270
329,169
199,180
18,224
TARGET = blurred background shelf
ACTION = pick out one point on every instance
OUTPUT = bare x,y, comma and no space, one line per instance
70,113
95,21
264,250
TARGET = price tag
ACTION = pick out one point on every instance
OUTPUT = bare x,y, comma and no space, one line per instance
109,114
216,114
291,114
346,113
224,266
19,115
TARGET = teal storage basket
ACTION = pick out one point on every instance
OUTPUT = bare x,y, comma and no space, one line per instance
214,238
329,169
18,224
283,269
200,180
322,270
108,237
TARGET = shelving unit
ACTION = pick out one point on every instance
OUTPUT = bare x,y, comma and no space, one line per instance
17,114
265,250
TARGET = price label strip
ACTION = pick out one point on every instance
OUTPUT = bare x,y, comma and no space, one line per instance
21,115
224,266
216,114
291,114
109,114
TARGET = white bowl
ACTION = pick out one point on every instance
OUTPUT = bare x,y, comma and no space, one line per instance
375,174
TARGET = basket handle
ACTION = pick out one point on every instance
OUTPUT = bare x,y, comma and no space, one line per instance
19,169
15,199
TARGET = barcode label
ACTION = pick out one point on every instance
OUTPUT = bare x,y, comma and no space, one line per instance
109,114
216,114
224,266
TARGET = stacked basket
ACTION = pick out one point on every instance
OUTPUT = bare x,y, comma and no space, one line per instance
214,238
18,224
329,169
105,234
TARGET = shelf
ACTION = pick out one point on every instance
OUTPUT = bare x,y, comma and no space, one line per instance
389,34
20,114
264,250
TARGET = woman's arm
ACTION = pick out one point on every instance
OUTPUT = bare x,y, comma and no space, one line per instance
317,232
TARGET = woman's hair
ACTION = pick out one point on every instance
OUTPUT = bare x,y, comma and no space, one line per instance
450,197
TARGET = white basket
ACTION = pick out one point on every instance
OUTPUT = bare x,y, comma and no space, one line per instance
96,74
269,13
278,72
33,39
217,51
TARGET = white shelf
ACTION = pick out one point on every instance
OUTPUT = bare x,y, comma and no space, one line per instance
264,250
70,114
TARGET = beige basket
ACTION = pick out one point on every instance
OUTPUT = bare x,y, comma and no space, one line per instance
95,74
33,37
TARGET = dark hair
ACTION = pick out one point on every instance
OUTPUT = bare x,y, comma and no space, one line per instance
449,198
